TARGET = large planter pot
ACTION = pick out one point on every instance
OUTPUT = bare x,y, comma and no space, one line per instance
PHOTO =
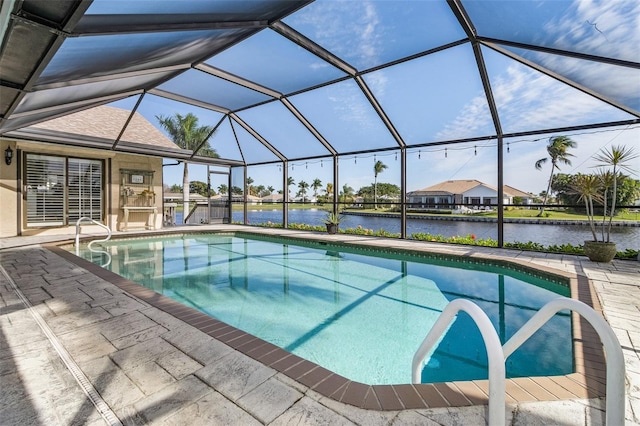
598,251
332,228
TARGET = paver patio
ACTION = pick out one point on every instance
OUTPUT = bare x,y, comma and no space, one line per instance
148,367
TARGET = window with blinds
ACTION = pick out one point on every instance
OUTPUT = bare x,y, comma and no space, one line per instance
60,190
85,189
45,190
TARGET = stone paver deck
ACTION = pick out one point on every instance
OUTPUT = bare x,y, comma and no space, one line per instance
139,364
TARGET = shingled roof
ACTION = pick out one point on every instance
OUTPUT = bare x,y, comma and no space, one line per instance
451,187
106,122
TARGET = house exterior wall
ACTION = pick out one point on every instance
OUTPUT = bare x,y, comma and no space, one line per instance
136,219
484,194
13,211
430,201
8,192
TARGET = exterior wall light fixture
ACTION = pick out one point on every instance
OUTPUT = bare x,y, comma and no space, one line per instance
8,156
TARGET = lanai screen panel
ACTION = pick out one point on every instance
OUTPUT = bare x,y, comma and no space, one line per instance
113,13
283,130
41,116
253,151
87,57
213,90
368,34
273,61
619,83
153,108
528,100
224,142
560,64
51,98
449,104
346,119
603,28
102,122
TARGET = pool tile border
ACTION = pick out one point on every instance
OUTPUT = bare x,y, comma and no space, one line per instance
588,381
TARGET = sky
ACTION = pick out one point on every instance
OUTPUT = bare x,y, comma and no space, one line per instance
431,98
426,167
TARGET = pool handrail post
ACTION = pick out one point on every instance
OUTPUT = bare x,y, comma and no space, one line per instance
83,219
494,353
615,398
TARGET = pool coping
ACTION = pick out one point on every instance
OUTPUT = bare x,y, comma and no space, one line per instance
588,380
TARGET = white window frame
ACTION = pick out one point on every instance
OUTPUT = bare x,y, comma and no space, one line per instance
61,189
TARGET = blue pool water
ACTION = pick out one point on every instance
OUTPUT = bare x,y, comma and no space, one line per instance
360,313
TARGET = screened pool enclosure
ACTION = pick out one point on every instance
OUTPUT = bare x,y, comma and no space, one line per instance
435,90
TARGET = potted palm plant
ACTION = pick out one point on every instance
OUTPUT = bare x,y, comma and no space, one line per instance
595,189
332,220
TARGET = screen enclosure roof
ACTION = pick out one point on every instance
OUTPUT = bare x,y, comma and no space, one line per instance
283,80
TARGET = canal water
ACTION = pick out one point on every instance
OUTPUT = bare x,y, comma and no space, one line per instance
625,237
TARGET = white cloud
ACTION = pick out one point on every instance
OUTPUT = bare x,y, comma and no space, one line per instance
601,27
529,100
348,29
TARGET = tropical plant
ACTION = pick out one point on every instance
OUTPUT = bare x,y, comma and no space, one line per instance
595,189
223,189
332,219
317,184
290,182
198,187
588,187
347,193
618,158
270,189
378,167
250,189
303,189
329,189
558,153
388,189
185,132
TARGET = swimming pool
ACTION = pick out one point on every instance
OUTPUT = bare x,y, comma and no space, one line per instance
360,313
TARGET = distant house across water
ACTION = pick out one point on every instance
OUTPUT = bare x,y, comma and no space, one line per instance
455,194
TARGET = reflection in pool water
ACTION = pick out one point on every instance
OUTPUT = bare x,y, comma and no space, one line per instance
359,313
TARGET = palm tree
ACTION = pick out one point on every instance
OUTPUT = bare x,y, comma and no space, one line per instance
223,189
329,189
317,183
618,157
270,189
303,189
557,150
185,132
378,168
290,182
347,193
249,187
588,186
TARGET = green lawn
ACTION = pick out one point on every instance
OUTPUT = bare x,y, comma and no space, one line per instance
524,213
278,206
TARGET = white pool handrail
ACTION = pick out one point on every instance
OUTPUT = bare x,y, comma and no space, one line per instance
613,352
615,402
491,342
82,219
